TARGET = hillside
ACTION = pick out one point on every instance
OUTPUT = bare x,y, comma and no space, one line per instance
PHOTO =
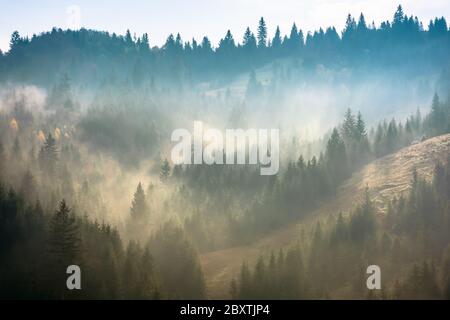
386,178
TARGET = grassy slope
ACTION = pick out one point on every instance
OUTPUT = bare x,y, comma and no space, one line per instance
386,177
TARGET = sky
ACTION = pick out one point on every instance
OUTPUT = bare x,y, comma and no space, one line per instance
197,18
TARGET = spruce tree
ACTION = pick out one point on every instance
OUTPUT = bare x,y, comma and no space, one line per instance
139,207
48,156
64,235
276,41
336,156
399,16
15,40
64,247
165,170
349,29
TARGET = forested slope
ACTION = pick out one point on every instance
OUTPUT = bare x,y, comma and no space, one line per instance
386,178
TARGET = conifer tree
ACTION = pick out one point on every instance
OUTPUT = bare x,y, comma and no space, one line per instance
139,208
295,40
249,41
15,40
399,16
48,155
349,126
64,247
64,235
276,41
349,29
262,33
337,157
245,283
165,170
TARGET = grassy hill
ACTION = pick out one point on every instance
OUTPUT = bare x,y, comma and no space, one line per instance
386,178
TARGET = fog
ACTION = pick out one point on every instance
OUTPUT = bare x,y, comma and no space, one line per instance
87,175
305,108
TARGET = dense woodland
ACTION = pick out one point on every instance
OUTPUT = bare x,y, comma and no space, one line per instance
37,247
86,176
403,44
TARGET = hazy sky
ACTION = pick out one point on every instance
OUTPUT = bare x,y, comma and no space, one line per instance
197,18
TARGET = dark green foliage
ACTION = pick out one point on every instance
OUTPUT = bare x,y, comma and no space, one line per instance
138,86
410,243
337,161
87,55
63,246
36,248
438,121
64,234
177,263
165,170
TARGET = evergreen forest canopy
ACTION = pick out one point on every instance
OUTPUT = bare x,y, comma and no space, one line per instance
86,177
403,45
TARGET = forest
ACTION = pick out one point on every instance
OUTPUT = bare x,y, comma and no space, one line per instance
86,176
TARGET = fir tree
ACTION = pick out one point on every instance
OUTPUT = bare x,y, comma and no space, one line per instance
262,33
64,235
276,41
48,155
139,207
165,170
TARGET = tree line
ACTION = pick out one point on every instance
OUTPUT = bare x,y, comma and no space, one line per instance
398,43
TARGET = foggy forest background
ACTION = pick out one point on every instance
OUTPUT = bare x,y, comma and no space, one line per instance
86,177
